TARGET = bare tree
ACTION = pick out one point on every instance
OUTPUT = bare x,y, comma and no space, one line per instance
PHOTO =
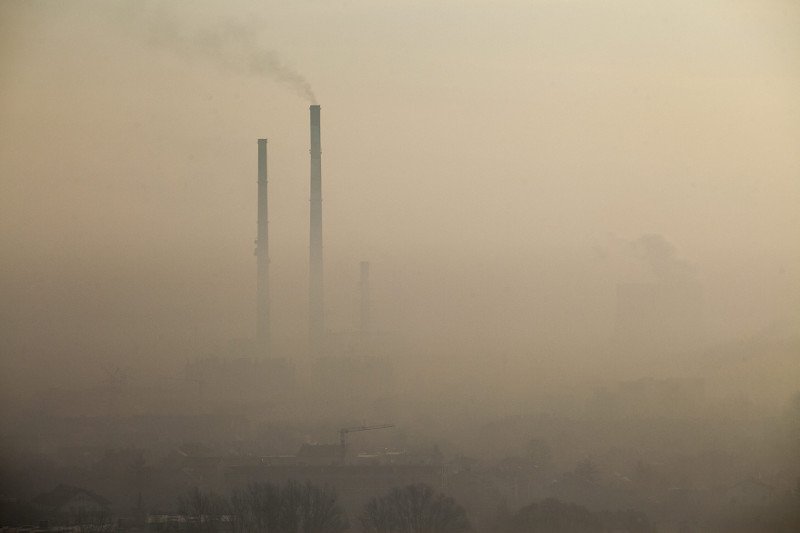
291,508
414,509
90,521
256,507
319,510
203,511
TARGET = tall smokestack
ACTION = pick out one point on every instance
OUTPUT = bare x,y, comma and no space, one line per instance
262,254
316,296
364,290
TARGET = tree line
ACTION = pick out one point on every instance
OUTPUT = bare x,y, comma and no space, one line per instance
295,507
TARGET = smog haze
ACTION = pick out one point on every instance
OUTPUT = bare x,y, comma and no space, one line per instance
574,213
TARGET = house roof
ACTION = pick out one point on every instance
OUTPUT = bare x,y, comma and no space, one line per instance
63,494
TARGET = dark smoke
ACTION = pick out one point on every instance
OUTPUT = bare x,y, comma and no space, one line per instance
227,44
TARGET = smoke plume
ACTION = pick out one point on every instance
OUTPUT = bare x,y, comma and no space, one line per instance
226,44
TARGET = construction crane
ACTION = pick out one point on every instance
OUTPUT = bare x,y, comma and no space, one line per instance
344,431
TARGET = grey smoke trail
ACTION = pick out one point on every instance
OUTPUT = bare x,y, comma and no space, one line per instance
227,44
265,62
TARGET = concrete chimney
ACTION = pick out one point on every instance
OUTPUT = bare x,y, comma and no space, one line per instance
364,293
262,255
316,287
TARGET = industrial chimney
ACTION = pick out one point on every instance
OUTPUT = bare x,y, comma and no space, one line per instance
262,255
316,296
365,303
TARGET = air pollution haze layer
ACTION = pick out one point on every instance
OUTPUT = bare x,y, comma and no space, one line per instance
222,42
561,202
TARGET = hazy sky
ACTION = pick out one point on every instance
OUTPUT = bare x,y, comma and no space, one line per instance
483,132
